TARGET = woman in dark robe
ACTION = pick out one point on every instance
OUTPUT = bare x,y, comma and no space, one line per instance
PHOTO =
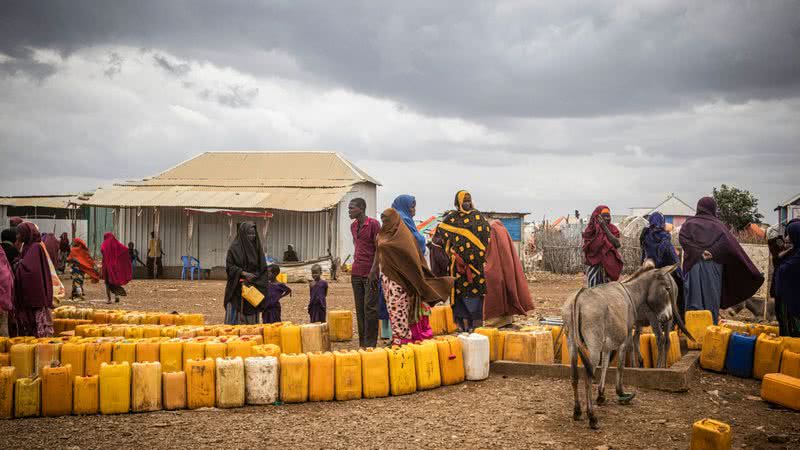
406,279
717,272
6,292
787,286
245,262
507,291
657,246
33,285
465,234
117,270
52,246
9,240
600,248
63,252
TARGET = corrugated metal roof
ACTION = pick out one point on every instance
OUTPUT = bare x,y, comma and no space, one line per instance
40,201
290,181
788,202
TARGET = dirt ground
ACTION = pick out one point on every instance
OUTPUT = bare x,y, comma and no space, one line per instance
513,412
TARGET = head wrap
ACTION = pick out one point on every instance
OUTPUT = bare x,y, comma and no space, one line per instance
79,255
402,204
598,249
33,286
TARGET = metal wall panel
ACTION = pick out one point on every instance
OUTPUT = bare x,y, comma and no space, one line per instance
369,193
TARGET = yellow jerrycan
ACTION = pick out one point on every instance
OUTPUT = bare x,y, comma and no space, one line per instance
146,390
715,348
124,351
374,372
347,368
315,337
173,394
340,325
46,354
7,378
321,387
426,364
56,390
97,353
115,388
451,360
21,357
710,434
171,356
200,391
402,374
294,377
494,341
27,397
696,323
291,339
85,395
767,358
74,354
230,382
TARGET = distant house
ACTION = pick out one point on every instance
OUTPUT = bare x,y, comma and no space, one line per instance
51,213
675,210
788,210
513,221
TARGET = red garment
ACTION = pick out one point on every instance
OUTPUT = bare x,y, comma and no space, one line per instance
33,286
507,289
597,249
117,268
364,240
79,254
6,283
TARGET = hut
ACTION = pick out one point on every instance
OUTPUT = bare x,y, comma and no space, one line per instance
297,198
788,210
51,213
675,210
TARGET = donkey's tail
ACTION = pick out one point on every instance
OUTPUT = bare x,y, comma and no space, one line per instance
577,338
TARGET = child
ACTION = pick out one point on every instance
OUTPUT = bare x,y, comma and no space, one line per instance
81,264
275,292
319,291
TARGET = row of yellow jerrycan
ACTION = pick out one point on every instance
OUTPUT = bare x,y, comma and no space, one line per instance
228,382
86,355
772,354
126,316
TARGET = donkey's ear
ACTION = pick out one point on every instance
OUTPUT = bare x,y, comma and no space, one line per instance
669,269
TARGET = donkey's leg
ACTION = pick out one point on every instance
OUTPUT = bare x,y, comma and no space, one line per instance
589,408
623,397
601,388
638,361
576,411
657,330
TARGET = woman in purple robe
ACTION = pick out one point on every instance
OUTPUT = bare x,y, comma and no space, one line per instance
317,306
33,286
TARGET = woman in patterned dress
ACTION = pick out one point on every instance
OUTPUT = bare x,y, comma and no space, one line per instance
465,233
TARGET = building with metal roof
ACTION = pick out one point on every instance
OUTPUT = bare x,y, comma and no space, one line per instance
297,198
675,210
61,213
788,210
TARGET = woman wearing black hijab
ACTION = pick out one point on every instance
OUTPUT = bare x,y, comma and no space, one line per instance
245,262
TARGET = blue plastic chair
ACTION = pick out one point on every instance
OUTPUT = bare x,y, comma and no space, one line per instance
191,263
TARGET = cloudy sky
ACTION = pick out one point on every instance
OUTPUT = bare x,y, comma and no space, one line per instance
545,107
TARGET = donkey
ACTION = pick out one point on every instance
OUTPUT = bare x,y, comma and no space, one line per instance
600,321
645,317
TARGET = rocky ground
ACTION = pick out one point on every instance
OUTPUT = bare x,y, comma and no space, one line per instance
513,412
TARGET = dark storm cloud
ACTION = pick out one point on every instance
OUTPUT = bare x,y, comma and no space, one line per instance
476,59
174,68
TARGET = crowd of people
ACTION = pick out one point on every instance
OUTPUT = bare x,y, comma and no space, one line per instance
473,262
715,272
29,282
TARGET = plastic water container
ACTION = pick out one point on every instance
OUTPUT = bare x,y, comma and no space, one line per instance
26,397
494,340
261,380
146,386
315,337
426,364
715,348
21,357
7,378
199,383
272,333
239,348
124,352
767,357
347,369
790,363
56,391
85,395
321,387
438,320
696,323
402,372
451,360
544,347
374,372
115,388
45,354
215,349
173,392
710,434
340,324
741,349
476,350
171,356
291,339
519,347
194,350
781,389
230,382
74,355
294,378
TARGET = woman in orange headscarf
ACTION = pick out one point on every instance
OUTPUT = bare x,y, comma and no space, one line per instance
82,264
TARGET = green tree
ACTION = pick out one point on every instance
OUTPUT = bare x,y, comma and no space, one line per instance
737,207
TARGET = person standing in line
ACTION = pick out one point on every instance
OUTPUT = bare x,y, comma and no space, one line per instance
787,284
52,246
116,271
245,262
407,281
133,254
155,267
507,291
6,292
33,286
717,273
63,252
466,234
656,245
364,272
290,255
9,240
601,248
318,292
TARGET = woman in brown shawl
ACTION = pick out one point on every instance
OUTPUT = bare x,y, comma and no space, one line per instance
407,281
507,290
